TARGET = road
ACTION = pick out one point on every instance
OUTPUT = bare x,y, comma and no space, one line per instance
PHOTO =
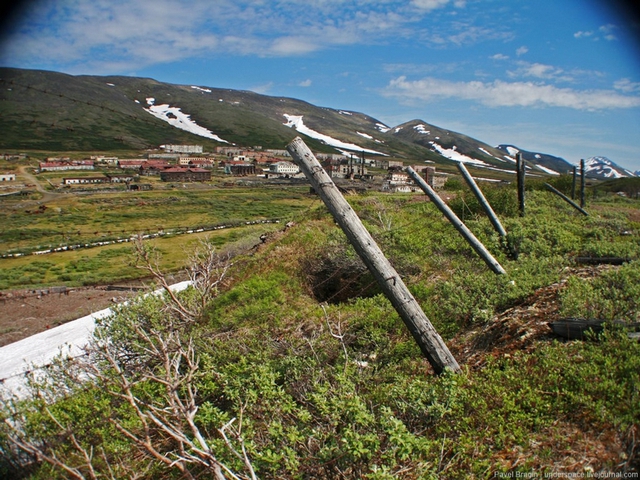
31,178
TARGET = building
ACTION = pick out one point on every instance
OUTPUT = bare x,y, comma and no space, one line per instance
434,180
154,167
65,164
397,181
182,148
387,164
8,177
233,167
121,178
84,180
283,168
181,174
104,160
201,162
132,163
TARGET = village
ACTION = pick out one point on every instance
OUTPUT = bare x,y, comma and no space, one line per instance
184,164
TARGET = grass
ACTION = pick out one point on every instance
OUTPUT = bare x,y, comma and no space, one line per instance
78,220
340,390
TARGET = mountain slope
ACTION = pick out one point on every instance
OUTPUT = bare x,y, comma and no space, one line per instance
52,111
544,162
602,167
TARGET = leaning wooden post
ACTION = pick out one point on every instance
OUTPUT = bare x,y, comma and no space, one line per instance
582,183
520,177
425,335
457,223
566,199
483,201
573,185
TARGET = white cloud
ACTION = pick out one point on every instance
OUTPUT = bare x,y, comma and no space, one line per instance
499,56
505,94
627,86
605,30
429,4
521,51
542,71
305,83
264,88
151,32
582,34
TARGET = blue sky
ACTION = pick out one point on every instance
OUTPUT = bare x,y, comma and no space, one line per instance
555,76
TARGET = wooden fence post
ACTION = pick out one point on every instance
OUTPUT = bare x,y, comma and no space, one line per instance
457,223
582,174
425,335
483,201
565,198
573,185
520,177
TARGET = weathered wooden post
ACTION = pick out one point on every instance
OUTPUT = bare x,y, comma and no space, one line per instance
425,335
573,185
582,174
457,223
565,198
520,177
483,201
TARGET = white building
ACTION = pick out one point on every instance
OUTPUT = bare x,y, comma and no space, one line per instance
8,177
284,168
182,148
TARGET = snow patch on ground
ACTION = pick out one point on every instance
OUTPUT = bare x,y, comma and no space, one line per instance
382,127
36,351
295,121
206,90
175,117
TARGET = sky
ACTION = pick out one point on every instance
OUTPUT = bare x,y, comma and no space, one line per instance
554,76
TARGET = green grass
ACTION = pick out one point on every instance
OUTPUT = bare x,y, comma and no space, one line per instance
78,220
340,390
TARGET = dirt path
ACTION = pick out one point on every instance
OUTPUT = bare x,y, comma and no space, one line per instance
27,312
46,195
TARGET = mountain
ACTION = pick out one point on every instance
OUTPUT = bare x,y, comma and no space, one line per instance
602,167
543,162
52,111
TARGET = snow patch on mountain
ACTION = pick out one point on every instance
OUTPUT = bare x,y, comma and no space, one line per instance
295,122
382,127
176,118
205,90
512,151
453,154
603,167
547,170
489,153
421,129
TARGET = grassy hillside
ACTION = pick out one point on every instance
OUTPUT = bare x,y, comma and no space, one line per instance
58,112
74,221
301,369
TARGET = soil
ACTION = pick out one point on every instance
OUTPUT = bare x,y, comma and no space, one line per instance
26,312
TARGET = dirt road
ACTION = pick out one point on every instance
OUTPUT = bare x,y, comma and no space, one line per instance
25,312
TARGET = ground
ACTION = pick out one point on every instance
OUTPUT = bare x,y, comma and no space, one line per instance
26,312
520,328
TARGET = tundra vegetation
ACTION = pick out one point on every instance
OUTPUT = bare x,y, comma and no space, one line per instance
285,361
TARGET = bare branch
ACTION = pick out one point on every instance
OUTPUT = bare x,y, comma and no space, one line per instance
339,335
